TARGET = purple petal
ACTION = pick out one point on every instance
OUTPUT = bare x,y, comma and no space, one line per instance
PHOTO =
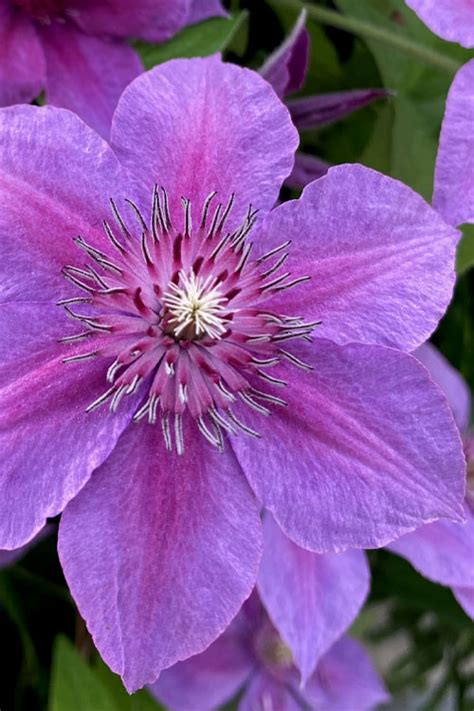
285,69
29,336
346,679
366,450
454,178
264,692
8,558
449,380
206,680
41,210
317,596
204,9
306,169
465,597
152,20
381,260
323,109
453,20
87,74
49,444
160,551
203,126
22,65
442,551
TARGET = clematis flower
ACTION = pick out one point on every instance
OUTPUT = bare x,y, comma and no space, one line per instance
289,652
444,551
176,389
286,71
453,20
454,177
76,50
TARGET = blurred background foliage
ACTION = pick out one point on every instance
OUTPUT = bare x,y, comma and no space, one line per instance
419,636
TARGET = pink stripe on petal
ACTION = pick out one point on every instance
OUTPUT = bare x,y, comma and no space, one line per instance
160,551
50,446
365,451
205,125
381,260
42,210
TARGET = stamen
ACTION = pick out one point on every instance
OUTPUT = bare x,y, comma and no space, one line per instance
119,220
182,313
242,426
165,427
136,210
252,404
205,209
274,251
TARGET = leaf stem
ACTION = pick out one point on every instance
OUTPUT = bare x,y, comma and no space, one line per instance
371,31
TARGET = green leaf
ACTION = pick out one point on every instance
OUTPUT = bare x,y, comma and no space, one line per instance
465,255
74,686
139,701
201,40
402,45
414,148
77,686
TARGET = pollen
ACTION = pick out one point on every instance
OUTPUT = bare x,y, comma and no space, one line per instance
195,307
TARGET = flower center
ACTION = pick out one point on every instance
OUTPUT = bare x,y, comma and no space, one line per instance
272,652
180,317
195,307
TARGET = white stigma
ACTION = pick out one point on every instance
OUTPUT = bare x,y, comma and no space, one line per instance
197,305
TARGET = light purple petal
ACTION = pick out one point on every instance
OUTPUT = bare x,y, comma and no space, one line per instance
203,126
204,9
442,551
285,69
22,65
453,20
381,260
56,177
306,169
366,450
454,178
87,74
8,558
346,680
465,597
207,680
160,551
264,692
49,444
316,598
449,380
29,336
152,20
323,109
